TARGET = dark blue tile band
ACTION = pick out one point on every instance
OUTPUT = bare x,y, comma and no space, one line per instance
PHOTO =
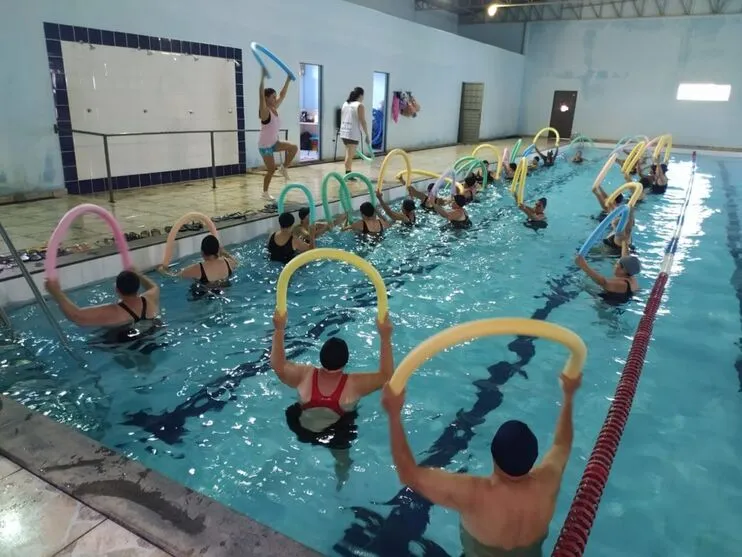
55,33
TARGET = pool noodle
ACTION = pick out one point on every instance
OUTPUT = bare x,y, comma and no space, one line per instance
604,172
343,195
170,243
621,211
50,264
510,326
256,47
308,194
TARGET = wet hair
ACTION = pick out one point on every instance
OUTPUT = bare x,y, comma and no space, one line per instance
355,94
514,448
408,205
286,220
663,166
542,200
367,209
268,91
470,181
486,163
430,187
334,354
513,166
460,200
619,199
536,159
210,245
127,283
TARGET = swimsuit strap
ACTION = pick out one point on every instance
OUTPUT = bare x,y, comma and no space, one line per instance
128,310
629,292
204,279
144,307
229,268
331,401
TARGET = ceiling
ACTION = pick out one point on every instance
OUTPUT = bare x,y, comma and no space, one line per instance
474,11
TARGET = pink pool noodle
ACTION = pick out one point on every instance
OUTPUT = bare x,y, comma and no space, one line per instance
50,265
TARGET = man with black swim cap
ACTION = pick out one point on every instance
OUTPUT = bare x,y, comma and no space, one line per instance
328,395
508,512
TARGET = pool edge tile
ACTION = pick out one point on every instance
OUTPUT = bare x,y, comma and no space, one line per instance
160,511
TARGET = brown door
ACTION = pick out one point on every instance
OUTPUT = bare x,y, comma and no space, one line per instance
470,114
563,112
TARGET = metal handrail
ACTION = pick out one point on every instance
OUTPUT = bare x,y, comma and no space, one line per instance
107,154
37,294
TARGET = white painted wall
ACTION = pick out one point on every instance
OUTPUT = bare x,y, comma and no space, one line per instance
349,41
126,90
627,73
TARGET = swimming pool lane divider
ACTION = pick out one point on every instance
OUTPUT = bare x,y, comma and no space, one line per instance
575,532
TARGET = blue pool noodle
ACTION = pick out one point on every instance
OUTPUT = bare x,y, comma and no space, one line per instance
255,47
623,211
530,149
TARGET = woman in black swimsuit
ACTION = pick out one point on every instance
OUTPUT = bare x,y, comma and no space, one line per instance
406,216
213,273
285,244
622,286
371,225
457,217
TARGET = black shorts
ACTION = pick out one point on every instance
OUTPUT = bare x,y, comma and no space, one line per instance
349,141
339,435
535,224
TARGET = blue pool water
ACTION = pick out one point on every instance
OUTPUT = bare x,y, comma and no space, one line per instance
207,411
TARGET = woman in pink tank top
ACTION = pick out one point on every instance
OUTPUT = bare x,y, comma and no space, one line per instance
270,128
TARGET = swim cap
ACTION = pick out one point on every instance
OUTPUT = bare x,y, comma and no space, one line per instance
514,448
367,209
460,200
630,264
334,354
303,213
513,166
470,180
210,245
408,205
286,220
543,202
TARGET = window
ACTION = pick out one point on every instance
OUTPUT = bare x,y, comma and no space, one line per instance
704,92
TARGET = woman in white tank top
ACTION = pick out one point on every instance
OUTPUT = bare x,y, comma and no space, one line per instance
270,128
352,122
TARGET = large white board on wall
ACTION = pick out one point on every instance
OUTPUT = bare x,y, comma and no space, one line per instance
119,90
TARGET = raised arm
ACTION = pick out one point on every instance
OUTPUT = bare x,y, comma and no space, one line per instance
557,457
527,210
302,246
151,289
394,215
233,261
289,373
263,111
442,212
416,194
367,383
95,316
284,90
438,486
597,278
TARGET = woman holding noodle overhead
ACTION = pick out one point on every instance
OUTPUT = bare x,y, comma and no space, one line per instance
270,127
213,273
457,217
622,286
352,122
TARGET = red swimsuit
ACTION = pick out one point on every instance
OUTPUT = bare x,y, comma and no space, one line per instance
331,401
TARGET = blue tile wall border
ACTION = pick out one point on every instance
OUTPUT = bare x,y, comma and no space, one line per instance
56,33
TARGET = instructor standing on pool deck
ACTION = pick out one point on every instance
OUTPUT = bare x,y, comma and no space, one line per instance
352,121
504,514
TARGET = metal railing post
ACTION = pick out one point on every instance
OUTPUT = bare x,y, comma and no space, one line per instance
213,162
37,294
109,180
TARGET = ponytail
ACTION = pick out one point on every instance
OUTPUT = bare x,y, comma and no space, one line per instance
355,94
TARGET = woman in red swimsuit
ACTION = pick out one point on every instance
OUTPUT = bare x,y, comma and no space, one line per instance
328,395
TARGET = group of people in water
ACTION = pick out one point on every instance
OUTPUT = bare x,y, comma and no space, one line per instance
505,513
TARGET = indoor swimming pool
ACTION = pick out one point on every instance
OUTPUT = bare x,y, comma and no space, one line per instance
201,405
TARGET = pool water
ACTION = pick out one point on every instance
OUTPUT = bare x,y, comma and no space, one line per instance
207,411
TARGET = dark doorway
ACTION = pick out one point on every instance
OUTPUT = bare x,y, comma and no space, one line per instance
470,112
563,112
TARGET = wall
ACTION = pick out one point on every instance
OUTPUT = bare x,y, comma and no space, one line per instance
627,72
114,88
510,36
405,9
29,149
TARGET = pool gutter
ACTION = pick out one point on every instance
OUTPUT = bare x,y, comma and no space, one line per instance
170,516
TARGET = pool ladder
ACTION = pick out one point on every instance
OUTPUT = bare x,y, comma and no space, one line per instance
64,342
